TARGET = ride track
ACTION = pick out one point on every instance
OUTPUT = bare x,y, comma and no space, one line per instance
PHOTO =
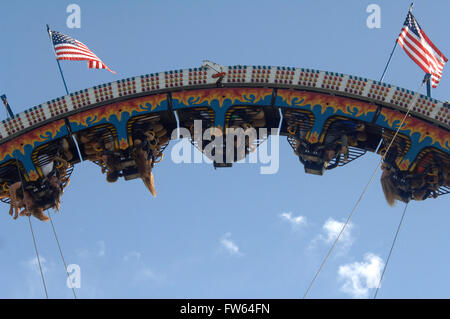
317,98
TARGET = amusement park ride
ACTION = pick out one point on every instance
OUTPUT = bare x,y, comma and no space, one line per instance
329,119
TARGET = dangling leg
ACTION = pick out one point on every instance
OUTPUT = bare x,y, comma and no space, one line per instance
39,214
24,212
16,201
344,147
66,149
15,208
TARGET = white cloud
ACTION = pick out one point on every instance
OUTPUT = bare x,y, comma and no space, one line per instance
101,248
99,251
82,253
229,245
147,273
34,264
294,221
331,229
359,277
140,271
29,286
132,255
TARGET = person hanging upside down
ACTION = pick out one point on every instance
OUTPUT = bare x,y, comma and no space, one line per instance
145,152
102,152
23,199
146,149
429,174
35,197
316,157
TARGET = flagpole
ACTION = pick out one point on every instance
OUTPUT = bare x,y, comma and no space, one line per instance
392,53
428,84
389,61
427,77
57,61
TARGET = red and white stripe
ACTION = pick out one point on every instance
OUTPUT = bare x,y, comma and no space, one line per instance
424,53
79,52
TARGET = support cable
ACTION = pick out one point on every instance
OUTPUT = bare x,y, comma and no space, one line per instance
32,233
38,259
61,253
390,252
413,101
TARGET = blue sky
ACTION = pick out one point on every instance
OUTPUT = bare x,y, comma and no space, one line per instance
226,233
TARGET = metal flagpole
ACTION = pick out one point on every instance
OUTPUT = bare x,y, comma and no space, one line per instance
392,53
428,85
389,61
57,61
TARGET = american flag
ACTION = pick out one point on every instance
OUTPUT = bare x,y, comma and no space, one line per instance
421,50
67,48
